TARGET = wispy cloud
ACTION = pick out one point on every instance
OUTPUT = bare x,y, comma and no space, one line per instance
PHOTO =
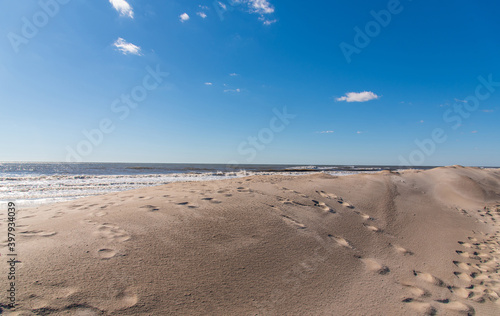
184,17
325,132
202,14
233,90
487,111
208,83
474,132
421,121
123,7
358,96
462,101
222,5
127,48
233,74
260,6
269,22
359,132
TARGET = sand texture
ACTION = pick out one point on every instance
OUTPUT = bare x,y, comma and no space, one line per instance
408,243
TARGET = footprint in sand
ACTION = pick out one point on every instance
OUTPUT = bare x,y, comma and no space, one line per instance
119,300
211,200
293,222
106,253
366,217
429,278
462,265
465,254
326,195
463,276
465,244
185,204
372,228
341,241
457,307
295,192
479,276
462,292
58,214
243,190
374,266
100,214
423,308
402,250
112,232
344,203
416,291
288,201
37,233
150,208
323,206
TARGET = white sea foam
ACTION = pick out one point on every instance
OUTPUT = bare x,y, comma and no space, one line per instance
30,191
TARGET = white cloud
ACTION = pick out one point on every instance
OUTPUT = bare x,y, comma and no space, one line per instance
202,14
203,7
208,83
487,111
474,132
462,101
127,48
184,17
261,6
358,96
233,74
269,22
222,5
421,121
325,132
359,132
123,7
233,90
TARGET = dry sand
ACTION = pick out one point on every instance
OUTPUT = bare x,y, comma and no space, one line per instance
408,243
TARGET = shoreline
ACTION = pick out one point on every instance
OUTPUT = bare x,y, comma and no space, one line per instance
35,191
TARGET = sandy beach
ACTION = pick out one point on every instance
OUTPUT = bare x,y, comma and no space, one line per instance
391,243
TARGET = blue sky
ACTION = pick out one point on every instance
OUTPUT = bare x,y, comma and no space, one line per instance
362,82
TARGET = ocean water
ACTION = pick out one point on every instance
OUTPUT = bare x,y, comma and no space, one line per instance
32,184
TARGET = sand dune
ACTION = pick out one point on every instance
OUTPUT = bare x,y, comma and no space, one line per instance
409,243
